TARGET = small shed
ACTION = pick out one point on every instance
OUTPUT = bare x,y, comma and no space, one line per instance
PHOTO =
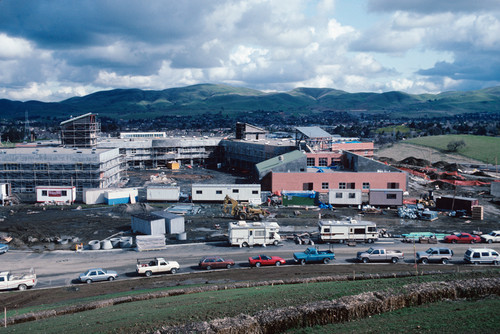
121,196
174,224
94,195
385,197
345,196
56,194
148,224
456,203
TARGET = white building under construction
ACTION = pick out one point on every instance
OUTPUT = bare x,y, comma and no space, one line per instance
29,167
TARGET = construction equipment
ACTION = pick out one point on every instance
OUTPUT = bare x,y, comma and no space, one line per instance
243,212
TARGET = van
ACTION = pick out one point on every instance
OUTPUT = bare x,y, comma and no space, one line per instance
481,255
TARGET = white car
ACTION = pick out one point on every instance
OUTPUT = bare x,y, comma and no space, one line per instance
493,236
482,255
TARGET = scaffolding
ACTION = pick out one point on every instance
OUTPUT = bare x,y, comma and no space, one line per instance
80,131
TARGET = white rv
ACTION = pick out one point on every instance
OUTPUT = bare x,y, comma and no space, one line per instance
348,230
245,234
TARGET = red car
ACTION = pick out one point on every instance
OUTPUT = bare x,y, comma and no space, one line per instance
264,260
210,262
464,238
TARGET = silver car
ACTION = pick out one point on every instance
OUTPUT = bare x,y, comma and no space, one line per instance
98,274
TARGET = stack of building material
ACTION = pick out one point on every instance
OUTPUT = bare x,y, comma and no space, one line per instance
150,242
477,212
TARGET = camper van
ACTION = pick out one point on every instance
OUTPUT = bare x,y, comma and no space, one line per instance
245,234
348,230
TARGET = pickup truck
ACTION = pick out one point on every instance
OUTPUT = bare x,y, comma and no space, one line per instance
312,254
155,265
9,281
380,254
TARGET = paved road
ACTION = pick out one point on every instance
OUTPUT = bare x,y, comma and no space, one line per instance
60,268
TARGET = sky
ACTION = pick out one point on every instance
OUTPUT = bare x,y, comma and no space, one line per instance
52,50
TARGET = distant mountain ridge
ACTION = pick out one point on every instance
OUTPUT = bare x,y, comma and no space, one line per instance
215,98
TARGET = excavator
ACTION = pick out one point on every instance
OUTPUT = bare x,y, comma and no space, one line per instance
243,212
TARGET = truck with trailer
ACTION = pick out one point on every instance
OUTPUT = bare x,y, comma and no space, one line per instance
312,254
155,265
246,234
10,281
378,254
347,231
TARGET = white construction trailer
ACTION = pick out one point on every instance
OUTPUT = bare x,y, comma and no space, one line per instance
5,193
345,196
217,192
348,230
165,194
55,194
245,234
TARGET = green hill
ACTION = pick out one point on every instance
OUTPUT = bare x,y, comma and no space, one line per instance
203,98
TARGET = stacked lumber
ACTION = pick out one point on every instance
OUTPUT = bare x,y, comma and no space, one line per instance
150,242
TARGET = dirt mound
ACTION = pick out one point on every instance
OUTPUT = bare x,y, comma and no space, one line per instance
415,162
387,160
133,208
440,164
480,173
454,167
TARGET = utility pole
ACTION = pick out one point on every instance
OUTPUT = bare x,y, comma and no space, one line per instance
26,127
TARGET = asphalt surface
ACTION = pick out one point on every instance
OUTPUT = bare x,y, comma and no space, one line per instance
61,268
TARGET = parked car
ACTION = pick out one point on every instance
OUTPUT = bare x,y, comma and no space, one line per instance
151,266
3,248
21,282
493,236
210,262
265,260
378,254
312,254
435,254
481,255
97,274
464,238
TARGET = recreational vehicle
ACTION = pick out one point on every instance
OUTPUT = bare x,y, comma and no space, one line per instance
349,230
245,234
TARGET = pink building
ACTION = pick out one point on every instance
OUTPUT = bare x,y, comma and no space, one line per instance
321,182
334,157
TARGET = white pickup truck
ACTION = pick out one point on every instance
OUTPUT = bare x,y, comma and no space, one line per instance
151,266
9,281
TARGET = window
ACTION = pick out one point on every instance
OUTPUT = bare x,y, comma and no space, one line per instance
326,230
235,191
372,229
323,162
255,192
392,185
485,254
351,185
375,252
352,195
338,195
199,192
476,255
341,185
133,151
64,193
307,186
218,192
366,185
79,166
391,196
333,161
311,162
324,185
359,231
44,192
260,233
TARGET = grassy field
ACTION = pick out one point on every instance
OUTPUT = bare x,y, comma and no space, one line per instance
482,148
460,316
150,314
391,129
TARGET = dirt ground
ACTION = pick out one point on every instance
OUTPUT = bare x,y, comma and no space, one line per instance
43,227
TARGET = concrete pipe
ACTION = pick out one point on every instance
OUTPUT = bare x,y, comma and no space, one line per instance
115,242
126,242
106,244
94,244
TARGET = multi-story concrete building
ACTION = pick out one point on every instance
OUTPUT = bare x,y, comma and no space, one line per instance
80,131
27,168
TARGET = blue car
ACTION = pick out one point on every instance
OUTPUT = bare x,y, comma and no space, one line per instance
3,248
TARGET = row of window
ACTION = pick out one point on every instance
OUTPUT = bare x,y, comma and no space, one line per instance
350,185
234,191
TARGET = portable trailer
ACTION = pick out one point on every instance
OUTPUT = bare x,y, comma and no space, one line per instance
347,231
217,192
245,234
166,194
55,194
